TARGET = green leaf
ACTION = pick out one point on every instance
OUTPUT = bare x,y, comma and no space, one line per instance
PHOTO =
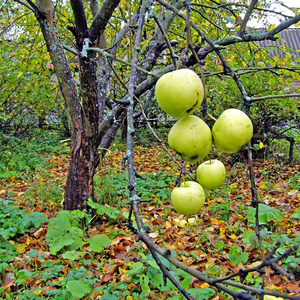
265,214
36,218
22,275
111,212
59,244
71,255
244,257
296,215
135,268
99,242
201,294
186,281
144,281
78,288
77,235
236,255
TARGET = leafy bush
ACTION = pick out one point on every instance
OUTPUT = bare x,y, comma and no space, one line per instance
64,231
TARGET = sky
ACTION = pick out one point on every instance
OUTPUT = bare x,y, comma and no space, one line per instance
276,6
290,3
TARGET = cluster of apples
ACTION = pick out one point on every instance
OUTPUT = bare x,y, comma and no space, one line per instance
179,93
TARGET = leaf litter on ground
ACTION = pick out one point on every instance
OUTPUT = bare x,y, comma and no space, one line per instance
219,242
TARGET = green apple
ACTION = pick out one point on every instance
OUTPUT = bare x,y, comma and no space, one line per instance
191,138
188,198
232,130
179,93
211,174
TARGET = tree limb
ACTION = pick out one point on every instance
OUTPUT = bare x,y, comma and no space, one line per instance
81,31
100,20
246,18
256,99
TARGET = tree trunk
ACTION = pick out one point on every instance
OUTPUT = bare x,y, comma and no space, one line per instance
84,161
83,115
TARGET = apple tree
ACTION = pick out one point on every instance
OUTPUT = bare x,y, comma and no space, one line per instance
123,48
101,37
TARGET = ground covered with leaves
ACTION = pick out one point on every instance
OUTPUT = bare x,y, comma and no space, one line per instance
49,253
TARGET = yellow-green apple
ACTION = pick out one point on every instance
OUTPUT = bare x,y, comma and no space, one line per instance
191,138
179,93
211,174
188,198
232,130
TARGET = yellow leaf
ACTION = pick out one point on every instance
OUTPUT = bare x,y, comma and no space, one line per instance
261,145
168,225
273,287
204,285
233,236
216,221
21,248
122,2
234,185
271,26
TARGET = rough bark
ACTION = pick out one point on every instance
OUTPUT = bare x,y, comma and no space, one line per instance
84,109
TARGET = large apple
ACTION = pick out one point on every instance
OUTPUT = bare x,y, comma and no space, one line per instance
179,93
211,174
232,130
188,198
191,138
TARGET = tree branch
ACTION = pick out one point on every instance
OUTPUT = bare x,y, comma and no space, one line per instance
256,99
246,18
81,31
100,20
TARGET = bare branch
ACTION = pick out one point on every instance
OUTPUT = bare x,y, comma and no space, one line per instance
102,17
31,5
81,30
247,16
255,99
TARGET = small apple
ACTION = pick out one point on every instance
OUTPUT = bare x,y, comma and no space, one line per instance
232,130
191,138
188,198
211,174
179,93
